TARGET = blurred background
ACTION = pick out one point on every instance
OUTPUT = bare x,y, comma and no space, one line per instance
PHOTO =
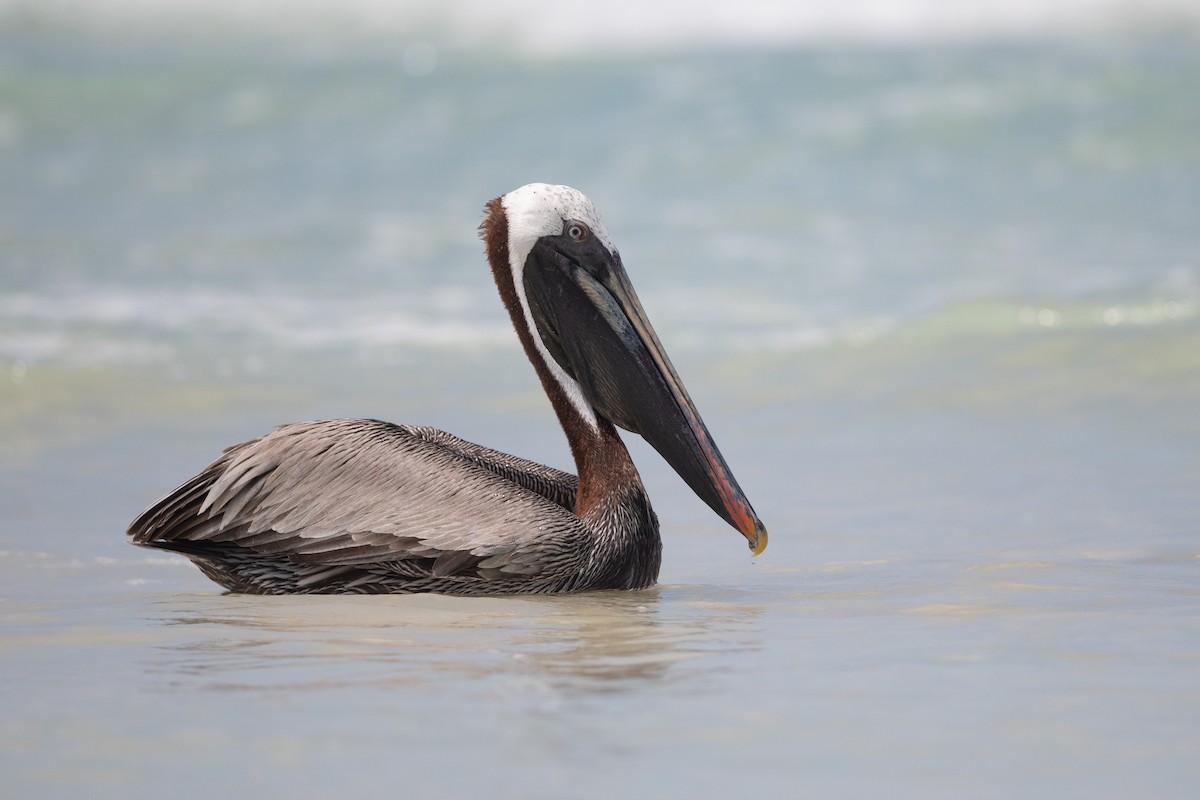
930,269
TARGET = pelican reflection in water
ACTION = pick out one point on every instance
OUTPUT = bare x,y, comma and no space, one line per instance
363,506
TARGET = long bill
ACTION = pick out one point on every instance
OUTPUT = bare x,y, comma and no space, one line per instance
593,324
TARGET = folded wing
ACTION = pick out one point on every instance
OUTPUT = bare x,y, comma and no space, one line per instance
369,495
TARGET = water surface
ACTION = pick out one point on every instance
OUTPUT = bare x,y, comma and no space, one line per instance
939,303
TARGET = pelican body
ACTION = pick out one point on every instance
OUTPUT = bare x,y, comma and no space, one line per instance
363,506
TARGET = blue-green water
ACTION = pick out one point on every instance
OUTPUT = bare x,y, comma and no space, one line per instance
938,301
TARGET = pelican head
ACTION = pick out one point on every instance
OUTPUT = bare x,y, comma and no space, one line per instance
577,313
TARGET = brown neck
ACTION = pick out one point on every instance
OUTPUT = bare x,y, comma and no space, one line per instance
601,459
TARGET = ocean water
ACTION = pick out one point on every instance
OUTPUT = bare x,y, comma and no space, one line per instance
935,290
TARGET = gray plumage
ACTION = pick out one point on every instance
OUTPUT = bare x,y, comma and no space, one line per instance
364,506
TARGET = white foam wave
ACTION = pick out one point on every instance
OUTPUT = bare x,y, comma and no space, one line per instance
144,327
141,326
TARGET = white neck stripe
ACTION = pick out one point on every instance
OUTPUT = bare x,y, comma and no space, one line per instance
534,211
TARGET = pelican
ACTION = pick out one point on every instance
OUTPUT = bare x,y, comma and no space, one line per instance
356,506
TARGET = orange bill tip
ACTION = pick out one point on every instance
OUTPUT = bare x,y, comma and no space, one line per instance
751,527
759,542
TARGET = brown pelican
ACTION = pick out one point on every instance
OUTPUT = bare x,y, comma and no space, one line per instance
359,505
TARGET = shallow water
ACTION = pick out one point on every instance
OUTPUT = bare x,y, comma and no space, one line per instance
939,303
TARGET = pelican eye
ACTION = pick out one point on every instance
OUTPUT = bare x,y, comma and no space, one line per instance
577,231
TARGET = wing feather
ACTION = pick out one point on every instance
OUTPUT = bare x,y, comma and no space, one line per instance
345,493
